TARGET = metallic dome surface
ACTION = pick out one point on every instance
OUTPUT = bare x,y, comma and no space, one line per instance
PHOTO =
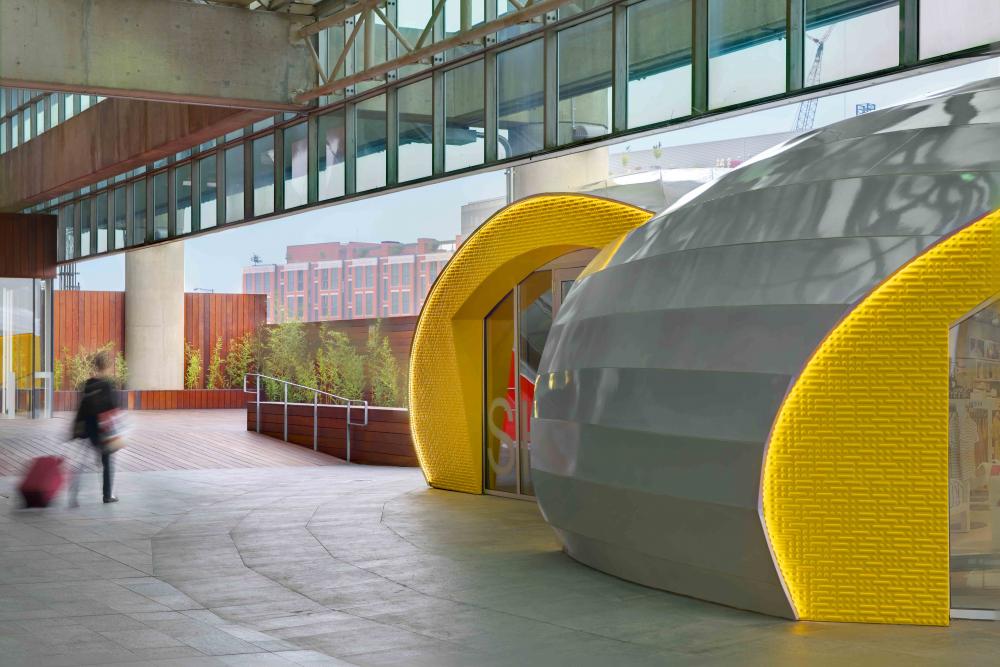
665,369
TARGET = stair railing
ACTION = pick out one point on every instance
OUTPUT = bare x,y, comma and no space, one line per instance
348,403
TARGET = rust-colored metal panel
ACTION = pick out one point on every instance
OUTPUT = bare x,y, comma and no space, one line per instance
28,249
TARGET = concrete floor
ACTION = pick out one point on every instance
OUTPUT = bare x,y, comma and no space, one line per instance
360,565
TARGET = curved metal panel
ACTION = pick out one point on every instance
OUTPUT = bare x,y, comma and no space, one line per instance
676,352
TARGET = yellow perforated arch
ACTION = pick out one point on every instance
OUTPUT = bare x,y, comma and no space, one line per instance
446,360
855,493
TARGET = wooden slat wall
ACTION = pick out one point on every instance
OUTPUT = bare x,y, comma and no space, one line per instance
385,441
87,320
90,319
29,246
208,317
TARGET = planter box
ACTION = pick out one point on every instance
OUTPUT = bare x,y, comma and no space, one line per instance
385,441
167,399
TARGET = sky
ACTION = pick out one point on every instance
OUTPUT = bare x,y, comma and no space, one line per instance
214,261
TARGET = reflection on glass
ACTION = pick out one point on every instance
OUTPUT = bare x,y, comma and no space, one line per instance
585,80
501,430
296,165
974,460
946,25
465,117
520,100
840,44
120,217
161,205
263,175
659,61
207,192
331,155
415,130
534,324
20,347
67,231
371,137
234,183
86,208
102,222
138,212
182,193
746,50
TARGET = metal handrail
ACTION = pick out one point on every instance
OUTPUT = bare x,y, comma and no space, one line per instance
348,403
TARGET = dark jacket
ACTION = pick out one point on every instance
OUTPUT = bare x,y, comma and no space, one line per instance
97,398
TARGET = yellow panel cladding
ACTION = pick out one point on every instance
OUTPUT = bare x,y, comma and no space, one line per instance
855,491
446,361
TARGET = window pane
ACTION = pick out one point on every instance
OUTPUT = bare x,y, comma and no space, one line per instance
86,206
102,222
841,43
234,184
207,191
161,205
520,100
330,155
371,137
746,50
67,231
15,134
659,61
415,130
296,166
138,213
464,116
121,218
946,25
54,100
585,81
263,175
182,192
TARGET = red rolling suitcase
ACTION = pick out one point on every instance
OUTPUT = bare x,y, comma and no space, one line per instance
44,480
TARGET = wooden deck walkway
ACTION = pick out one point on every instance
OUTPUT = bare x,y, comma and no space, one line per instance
159,440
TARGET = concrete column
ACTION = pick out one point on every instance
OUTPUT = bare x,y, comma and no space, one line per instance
568,173
154,316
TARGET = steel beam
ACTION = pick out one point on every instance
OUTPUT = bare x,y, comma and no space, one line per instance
166,51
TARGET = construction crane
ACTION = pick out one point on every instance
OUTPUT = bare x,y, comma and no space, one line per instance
807,110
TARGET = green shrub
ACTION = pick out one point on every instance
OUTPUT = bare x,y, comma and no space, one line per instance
57,375
192,367
216,379
383,369
340,369
286,356
241,359
121,370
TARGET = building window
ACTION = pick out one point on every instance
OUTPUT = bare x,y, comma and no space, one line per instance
357,305
207,191
331,155
296,160
394,272
302,280
371,135
520,91
369,276
324,309
325,275
415,130
234,183
465,116
395,303
369,303
406,274
334,305
584,63
746,51
290,311
659,61
302,307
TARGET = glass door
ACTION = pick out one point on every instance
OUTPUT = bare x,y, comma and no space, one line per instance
974,464
515,335
25,348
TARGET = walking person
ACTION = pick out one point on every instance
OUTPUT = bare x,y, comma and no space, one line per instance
96,419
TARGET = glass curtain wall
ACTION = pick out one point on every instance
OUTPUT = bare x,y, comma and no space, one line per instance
234,184
208,192
330,155
25,348
296,166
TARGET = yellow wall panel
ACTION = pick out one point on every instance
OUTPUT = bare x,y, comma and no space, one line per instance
446,361
855,493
